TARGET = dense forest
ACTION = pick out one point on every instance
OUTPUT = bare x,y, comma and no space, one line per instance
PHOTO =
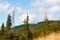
28,31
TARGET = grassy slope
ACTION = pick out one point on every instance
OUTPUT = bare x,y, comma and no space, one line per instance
52,36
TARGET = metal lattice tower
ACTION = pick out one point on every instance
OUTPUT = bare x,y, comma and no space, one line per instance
13,17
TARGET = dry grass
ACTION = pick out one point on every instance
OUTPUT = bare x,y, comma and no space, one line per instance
52,36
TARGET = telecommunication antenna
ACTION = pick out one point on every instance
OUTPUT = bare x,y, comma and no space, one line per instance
13,17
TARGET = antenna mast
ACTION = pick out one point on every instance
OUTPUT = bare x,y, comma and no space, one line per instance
13,17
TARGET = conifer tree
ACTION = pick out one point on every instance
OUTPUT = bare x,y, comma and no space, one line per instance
46,20
58,25
46,25
8,23
26,25
2,28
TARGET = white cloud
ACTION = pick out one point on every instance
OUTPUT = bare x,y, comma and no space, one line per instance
37,3
45,2
19,10
53,1
49,11
44,11
4,7
22,11
32,17
8,8
54,9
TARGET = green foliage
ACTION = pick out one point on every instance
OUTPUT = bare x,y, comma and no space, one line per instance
28,32
8,23
2,28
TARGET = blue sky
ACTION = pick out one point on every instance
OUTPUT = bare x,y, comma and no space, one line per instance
35,8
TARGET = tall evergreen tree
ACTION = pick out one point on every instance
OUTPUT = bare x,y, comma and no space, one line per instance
26,25
8,23
46,25
46,21
2,28
58,25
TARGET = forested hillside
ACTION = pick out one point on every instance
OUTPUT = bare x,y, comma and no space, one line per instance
28,31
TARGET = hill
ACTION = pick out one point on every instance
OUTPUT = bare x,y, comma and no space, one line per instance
52,36
41,28
39,24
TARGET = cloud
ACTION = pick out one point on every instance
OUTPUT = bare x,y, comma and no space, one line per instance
41,3
50,12
8,8
46,6
53,1
32,17
44,11
38,8
4,7
54,9
37,3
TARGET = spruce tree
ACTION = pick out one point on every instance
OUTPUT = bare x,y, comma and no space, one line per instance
46,21
28,32
59,24
8,23
2,28
46,25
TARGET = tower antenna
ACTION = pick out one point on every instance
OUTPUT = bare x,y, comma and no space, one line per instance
13,17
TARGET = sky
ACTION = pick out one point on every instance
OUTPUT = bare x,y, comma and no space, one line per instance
36,10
